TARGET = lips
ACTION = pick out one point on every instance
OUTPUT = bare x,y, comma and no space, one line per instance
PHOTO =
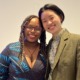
32,36
51,27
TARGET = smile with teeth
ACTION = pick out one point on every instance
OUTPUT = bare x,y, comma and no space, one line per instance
32,36
51,27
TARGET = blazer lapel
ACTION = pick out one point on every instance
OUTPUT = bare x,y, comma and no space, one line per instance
62,45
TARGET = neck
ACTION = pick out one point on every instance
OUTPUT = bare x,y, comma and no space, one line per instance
31,50
55,34
31,44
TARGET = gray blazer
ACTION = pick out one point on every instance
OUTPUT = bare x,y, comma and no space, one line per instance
67,60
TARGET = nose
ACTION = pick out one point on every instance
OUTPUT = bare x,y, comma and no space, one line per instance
33,30
49,22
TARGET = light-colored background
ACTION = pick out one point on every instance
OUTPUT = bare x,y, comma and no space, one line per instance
13,12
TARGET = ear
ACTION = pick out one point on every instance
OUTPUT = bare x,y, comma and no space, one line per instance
61,18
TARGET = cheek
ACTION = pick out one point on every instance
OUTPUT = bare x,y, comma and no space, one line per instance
44,25
38,35
26,33
59,24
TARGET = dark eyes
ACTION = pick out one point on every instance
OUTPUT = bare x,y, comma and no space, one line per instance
36,29
50,18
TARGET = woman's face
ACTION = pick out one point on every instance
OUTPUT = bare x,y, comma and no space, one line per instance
51,22
33,30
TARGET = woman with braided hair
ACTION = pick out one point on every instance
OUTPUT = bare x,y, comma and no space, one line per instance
26,59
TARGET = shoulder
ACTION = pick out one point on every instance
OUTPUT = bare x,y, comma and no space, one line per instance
14,46
71,36
75,36
11,47
74,39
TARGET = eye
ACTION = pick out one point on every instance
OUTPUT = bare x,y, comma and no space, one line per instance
44,21
30,27
38,29
52,17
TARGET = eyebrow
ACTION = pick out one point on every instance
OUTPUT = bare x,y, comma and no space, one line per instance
48,16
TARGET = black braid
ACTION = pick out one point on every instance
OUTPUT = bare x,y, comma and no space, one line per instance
43,43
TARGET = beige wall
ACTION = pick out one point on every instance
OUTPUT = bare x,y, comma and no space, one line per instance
13,12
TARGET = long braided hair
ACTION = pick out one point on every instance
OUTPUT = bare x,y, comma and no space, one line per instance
22,36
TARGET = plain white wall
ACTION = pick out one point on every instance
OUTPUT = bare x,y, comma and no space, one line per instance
13,12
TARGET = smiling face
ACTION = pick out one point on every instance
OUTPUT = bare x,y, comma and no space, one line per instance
51,22
32,30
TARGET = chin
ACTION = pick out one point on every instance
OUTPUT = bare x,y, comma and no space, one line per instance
32,41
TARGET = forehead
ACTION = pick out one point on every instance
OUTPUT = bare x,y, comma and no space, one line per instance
34,21
48,13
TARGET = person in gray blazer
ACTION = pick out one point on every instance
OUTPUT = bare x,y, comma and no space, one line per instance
64,47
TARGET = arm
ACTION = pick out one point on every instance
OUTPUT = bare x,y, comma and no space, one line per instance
4,64
78,62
